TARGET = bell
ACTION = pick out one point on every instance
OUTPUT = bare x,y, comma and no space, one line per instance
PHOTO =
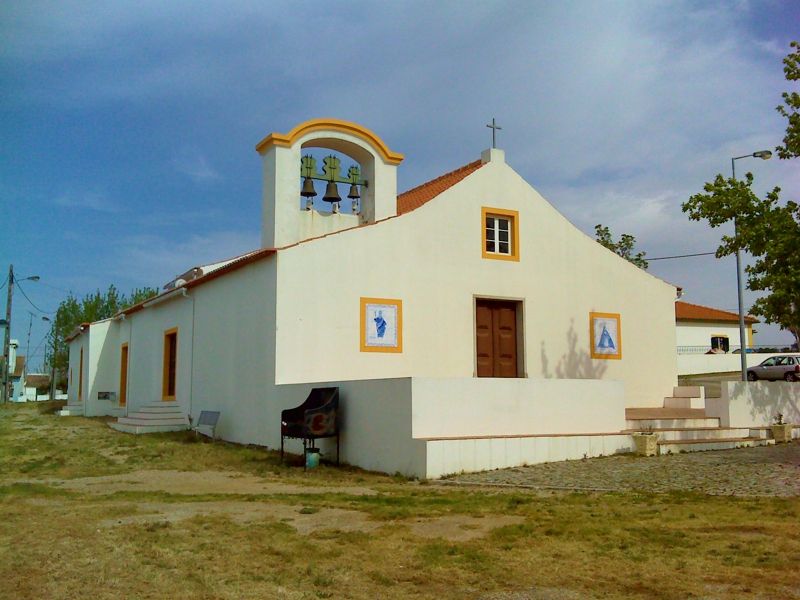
308,190
353,193
331,193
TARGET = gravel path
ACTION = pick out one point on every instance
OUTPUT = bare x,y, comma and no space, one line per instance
763,471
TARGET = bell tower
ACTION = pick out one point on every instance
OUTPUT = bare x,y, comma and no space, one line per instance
289,174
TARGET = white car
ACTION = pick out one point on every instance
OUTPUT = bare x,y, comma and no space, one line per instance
775,368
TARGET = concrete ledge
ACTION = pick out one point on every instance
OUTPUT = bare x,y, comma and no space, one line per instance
449,456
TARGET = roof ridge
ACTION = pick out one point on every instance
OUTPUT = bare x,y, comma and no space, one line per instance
686,309
473,164
425,192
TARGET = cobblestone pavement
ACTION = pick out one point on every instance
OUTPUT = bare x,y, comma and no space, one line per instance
763,471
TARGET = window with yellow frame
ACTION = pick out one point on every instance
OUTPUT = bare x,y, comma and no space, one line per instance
499,233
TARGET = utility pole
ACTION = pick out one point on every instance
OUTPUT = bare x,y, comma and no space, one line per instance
7,341
6,366
53,360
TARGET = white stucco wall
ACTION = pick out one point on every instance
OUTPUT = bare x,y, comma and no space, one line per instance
103,369
697,364
431,259
144,332
234,353
463,407
75,346
755,404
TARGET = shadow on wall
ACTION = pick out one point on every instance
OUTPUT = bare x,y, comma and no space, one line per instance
577,363
767,399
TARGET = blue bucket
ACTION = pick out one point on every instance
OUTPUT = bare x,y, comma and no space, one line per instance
312,458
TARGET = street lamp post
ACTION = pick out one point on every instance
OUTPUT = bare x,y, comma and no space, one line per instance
28,343
763,155
53,360
9,298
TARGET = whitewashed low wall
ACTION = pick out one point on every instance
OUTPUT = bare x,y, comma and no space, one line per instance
755,404
446,457
428,427
471,407
700,364
375,424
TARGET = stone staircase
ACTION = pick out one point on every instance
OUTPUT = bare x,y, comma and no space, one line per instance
682,425
71,410
153,418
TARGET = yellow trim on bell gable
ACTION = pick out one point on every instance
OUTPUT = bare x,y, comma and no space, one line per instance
165,366
513,216
603,315
288,139
363,329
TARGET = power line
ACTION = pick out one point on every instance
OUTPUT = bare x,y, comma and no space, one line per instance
680,256
22,291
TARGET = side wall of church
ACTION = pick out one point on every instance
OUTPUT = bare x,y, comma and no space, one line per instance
234,353
144,332
103,369
73,375
431,259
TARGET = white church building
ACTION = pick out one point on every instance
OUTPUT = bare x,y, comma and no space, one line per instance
467,324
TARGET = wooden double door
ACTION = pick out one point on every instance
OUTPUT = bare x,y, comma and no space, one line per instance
497,341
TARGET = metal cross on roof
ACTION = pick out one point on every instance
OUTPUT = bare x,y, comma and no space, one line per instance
494,127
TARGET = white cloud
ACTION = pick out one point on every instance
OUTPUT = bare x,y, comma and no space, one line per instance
196,166
615,111
94,201
154,260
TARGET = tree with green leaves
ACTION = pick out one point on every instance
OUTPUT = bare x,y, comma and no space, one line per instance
791,106
625,247
766,228
92,307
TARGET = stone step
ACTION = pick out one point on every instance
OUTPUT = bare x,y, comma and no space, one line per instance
684,402
703,445
71,410
160,408
149,416
664,413
647,424
140,429
698,433
133,420
688,391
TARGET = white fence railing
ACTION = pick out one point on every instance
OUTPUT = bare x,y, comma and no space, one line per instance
734,350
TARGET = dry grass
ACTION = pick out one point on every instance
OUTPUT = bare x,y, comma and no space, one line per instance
59,542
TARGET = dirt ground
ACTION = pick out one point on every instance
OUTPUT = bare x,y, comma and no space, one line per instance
89,512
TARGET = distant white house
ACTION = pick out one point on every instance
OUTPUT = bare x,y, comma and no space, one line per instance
700,329
467,324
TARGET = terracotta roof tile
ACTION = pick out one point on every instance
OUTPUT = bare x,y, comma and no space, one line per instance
684,311
37,380
19,366
416,197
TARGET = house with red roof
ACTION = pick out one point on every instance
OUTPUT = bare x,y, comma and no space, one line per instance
701,329
466,323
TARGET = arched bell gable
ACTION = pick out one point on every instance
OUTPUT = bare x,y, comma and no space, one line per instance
321,126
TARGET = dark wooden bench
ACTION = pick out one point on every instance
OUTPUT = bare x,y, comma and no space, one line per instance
317,417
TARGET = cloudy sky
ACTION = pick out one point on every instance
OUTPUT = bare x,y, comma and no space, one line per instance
128,128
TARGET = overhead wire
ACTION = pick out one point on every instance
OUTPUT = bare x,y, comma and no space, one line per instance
22,291
680,256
